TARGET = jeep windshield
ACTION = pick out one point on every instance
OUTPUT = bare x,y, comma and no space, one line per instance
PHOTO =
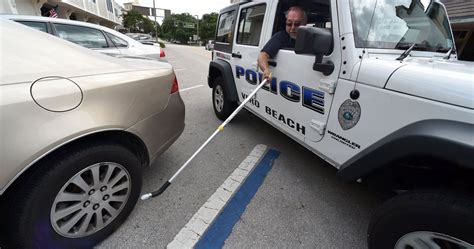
399,24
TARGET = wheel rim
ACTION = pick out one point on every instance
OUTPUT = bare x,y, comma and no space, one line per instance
428,240
90,200
219,98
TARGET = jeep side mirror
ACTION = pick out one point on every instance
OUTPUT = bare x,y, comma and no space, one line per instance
318,42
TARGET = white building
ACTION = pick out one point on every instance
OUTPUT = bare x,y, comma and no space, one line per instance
149,12
104,12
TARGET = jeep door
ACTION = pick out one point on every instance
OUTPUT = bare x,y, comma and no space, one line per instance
299,99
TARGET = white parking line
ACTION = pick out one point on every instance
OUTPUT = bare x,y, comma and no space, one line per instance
192,232
189,88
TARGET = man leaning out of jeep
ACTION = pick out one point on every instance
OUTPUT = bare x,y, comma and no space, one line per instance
295,17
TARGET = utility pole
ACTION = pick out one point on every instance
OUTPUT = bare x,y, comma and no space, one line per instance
156,24
197,31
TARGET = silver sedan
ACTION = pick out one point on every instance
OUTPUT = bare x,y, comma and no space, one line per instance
76,127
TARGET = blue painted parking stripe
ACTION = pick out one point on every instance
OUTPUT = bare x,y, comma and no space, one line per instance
221,228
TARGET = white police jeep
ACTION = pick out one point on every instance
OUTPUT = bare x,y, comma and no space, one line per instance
375,89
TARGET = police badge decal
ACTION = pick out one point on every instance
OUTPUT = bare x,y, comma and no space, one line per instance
349,114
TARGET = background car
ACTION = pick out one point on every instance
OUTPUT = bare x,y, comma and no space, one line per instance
96,37
143,38
77,128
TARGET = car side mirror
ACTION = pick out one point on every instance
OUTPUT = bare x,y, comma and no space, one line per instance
318,42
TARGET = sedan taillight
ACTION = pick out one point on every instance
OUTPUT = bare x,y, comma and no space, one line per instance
162,53
174,87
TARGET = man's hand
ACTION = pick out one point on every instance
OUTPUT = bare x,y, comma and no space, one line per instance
267,74
263,64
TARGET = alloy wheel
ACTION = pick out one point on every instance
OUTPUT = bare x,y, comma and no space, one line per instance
430,240
90,200
219,98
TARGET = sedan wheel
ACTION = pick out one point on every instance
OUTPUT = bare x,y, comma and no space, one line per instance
74,199
90,200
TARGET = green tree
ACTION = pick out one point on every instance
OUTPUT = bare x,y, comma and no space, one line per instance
147,25
131,20
179,27
159,30
207,26
136,22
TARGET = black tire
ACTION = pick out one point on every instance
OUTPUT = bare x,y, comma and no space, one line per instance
433,216
223,107
31,226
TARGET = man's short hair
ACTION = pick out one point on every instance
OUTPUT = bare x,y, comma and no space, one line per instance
297,8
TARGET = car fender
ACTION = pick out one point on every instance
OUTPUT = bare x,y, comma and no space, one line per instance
106,134
222,68
447,140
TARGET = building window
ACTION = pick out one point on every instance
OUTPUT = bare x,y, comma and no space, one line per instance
110,6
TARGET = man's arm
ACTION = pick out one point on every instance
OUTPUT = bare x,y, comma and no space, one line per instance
269,51
263,58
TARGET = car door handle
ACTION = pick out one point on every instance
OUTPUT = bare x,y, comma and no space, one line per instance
272,63
236,55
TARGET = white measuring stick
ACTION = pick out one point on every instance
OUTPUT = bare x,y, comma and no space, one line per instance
220,128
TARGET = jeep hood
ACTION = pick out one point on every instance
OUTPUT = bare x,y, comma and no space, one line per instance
450,82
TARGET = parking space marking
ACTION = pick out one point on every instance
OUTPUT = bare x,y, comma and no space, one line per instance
213,223
189,88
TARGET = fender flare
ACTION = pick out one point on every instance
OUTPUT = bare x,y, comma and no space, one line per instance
222,68
444,139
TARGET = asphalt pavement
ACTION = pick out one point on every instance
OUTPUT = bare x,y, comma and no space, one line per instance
301,203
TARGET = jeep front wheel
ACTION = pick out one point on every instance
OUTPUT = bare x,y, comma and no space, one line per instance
223,107
424,220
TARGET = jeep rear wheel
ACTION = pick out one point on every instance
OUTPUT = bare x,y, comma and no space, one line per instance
424,220
223,107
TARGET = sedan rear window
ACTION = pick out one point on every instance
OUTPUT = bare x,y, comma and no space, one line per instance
86,37
41,26
118,42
